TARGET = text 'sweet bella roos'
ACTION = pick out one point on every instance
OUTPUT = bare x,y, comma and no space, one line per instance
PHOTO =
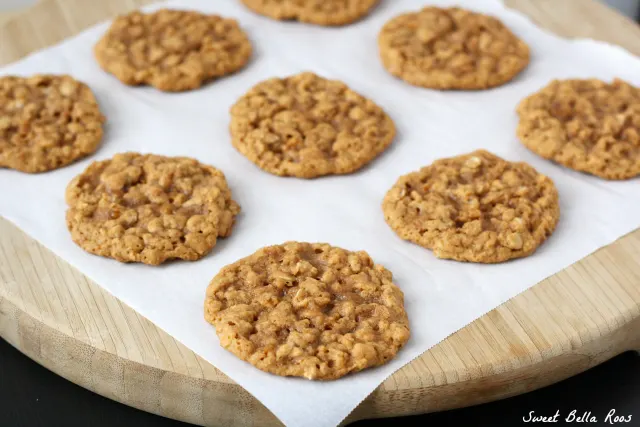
574,417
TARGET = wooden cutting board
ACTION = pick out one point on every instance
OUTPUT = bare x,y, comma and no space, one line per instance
570,322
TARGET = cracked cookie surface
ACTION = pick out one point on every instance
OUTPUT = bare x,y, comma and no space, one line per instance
308,126
451,48
149,208
319,12
586,125
308,310
476,207
172,50
47,122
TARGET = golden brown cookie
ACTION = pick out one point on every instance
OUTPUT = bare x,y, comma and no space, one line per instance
587,125
47,122
307,126
308,310
149,209
320,12
451,49
475,207
172,50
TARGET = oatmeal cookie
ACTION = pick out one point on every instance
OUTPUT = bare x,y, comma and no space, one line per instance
475,207
586,125
149,209
319,12
47,122
308,310
307,126
451,49
172,50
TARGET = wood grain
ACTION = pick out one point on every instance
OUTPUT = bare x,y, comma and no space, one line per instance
568,323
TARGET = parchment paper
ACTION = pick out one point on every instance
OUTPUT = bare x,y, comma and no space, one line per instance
441,296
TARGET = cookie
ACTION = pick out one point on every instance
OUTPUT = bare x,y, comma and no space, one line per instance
586,125
149,209
172,50
307,126
451,48
319,12
476,207
47,122
308,310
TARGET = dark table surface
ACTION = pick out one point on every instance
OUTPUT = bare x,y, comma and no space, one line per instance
30,395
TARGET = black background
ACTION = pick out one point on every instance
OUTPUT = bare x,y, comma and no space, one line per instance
30,395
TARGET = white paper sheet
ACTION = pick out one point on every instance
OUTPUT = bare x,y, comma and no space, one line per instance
441,296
